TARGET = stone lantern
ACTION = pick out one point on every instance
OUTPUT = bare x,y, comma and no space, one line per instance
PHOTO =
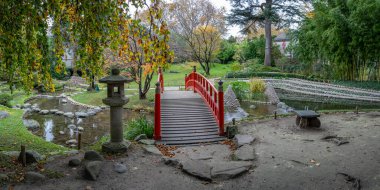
115,99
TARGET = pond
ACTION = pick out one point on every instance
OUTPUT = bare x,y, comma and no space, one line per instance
55,128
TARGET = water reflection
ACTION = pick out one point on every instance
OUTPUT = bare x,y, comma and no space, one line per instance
48,130
54,128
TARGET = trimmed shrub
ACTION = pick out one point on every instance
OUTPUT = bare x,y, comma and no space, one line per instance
139,126
236,66
240,88
256,85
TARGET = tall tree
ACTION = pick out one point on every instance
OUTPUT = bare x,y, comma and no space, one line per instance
252,14
201,25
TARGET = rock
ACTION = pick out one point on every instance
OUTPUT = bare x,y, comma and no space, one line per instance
170,161
97,109
91,113
71,141
71,152
61,132
228,170
243,139
271,94
252,107
80,129
31,124
10,153
230,101
81,114
147,141
280,111
281,105
245,153
152,149
34,177
74,162
36,109
92,170
140,137
69,114
18,106
198,169
27,105
120,168
3,114
59,113
93,156
72,126
44,112
201,156
64,101
31,157
103,107
53,111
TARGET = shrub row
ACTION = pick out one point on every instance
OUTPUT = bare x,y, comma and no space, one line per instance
245,74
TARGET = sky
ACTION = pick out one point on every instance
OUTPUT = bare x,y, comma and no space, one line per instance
232,30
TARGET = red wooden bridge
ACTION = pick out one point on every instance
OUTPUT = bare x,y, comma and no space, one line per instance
189,117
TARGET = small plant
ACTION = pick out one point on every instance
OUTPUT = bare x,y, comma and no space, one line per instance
5,100
139,126
256,85
241,89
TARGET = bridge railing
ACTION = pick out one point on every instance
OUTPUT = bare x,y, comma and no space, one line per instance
213,97
157,105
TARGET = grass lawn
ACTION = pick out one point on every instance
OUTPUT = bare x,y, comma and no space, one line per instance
13,134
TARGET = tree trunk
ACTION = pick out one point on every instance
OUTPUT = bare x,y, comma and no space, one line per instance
268,33
207,70
268,42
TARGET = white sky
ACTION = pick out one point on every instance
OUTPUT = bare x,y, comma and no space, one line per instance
232,30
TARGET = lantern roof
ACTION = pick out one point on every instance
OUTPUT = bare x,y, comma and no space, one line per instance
115,78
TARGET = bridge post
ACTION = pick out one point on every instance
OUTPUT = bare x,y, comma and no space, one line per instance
157,113
185,82
221,108
194,71
161,79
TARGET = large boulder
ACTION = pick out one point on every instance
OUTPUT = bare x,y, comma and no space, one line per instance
93,156
74,162
3,114
271,94
34,177
31,157
31,124
198,169
92,170
151,149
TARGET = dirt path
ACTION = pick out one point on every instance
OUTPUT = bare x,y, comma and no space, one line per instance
287,158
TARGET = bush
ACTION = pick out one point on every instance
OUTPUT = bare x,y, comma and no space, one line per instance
5,100
139,126
236,66
253,65
256,85
249,74
240,88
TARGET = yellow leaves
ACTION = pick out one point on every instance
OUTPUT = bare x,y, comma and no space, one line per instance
147,69
310,14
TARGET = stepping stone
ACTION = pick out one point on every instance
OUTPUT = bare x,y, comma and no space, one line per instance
93,156
59,113
198,169
243,139
92,170
201,156
245,153
71,142
34,177
81,114
152,149
140,137
44,112
147,141
69,114
3,114
31,124
72,126
228,170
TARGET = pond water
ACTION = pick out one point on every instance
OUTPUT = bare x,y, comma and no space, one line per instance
51,126
259,109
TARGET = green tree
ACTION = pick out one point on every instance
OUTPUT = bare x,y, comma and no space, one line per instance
251,14
226,52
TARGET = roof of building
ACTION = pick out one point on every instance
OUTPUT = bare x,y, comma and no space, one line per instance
281,37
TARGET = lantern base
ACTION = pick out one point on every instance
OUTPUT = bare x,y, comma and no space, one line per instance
116,147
